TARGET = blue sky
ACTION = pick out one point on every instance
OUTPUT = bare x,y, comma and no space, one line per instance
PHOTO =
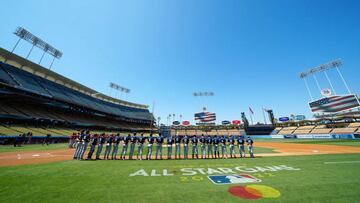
248,52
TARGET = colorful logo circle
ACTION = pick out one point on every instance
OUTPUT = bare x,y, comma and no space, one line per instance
254,192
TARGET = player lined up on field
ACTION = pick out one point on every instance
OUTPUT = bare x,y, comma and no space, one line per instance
210,146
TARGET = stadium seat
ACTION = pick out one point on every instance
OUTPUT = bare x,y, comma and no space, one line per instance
287,130
321,130
8,131
278,128
303,129
234,132
343,130
354,125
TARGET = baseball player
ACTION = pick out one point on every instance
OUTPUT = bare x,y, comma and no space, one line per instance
202,146
216,142
223,147
231,146
86,140
170,141
116,142
209,142
150,141
125,146
250,143
101,142
177,146
141,141
194,142
186,146
133,140
159,142
93,144
241,143
109,142
79,145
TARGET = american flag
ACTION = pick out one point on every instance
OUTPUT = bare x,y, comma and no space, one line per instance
205,116
334,103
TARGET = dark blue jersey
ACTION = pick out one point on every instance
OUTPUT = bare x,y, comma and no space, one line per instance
216,140
232,141
126,139
133,139
202,140
159,140
223,140
141,140
81,137
151,140
194,140
170,141
186,140
117,140
250,142
101,140
86,138
109,140
241,141
177,139
209,140
94,141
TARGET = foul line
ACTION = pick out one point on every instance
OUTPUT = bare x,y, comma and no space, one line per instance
342,162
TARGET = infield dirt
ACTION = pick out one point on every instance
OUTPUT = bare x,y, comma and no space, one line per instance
282,149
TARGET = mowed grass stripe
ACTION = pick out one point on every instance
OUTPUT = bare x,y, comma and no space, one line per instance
109,181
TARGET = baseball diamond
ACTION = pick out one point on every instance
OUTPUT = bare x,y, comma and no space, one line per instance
179,101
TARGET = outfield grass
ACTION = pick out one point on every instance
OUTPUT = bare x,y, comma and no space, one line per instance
109,181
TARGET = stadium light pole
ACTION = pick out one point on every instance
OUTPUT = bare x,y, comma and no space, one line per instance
203,94
118,88
343,80
36,42
308,89
317,82
323,68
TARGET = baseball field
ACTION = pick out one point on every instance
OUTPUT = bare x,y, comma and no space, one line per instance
283,171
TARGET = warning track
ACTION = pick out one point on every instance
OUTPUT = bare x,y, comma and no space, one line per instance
282,149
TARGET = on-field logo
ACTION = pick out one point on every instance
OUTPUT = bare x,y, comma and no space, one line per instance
233,179
254,192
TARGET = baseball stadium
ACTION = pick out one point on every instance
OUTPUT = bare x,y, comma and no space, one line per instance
179,101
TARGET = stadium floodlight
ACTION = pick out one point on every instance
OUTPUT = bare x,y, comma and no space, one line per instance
332,64
119,88
36,41
203,94
335,64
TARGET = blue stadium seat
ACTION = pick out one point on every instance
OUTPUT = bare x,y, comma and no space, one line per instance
33,83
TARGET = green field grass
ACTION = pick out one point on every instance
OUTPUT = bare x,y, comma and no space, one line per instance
109,181
319,178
